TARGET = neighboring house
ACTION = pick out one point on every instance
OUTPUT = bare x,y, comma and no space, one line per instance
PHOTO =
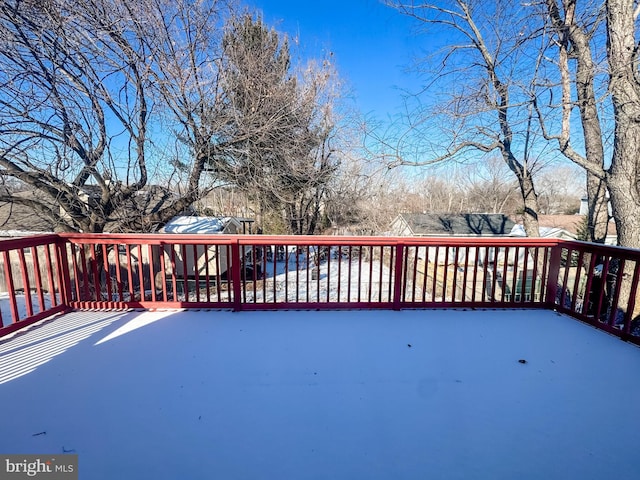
428,272
20,220
564,227
17,220
451,225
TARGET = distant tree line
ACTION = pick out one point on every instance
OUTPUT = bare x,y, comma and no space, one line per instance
366,202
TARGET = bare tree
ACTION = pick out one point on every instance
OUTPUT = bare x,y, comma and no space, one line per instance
488,110
623,176
490,189
573,40
561,189
83,88
582,30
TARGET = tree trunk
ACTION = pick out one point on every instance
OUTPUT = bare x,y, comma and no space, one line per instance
598,214
624,200
575,43
530,204
623,176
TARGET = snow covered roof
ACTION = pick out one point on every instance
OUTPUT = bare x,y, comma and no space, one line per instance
437,224
343,395
545,232
197,225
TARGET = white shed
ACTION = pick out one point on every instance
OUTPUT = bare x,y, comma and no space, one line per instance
215,261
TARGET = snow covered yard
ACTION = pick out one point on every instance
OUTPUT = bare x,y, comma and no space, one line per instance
336,280
447,394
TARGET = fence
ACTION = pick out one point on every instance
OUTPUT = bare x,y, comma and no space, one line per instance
45,275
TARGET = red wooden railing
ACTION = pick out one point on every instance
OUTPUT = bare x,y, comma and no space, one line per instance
599,285
50,274
33,283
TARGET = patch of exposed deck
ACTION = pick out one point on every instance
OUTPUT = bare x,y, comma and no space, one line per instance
318,395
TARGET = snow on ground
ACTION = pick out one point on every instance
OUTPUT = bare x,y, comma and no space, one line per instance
21,306
319,395
358,280
337,280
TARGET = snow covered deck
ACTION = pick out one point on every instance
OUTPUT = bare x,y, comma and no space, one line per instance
414,394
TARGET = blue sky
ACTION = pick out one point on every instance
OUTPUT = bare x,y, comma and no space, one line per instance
372,45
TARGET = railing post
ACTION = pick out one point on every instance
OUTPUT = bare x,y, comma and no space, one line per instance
398,284
63,267
552,276
236,275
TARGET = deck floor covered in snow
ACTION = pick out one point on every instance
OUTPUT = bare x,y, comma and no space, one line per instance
449,394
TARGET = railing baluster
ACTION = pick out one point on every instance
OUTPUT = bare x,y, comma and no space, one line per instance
603,280
445,281
50,266
152,273
141,274
25,282
525,277
617,283
631,305
425,273
534,287
185,272
514,278
230,274
339,257
196,270
275,273
504,284
131,289
163,272
8,275
436,260
328,258
397,292
38,277
116,254
86,296
455,273
207,272
218,274
107,271
576,282
286,273
485,268
476,260
308,269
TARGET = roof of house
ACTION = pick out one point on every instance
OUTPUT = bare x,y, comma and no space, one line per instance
466,224
557,226
570,223
197,225
18,220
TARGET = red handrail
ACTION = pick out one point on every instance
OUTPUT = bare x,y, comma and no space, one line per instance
594,283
